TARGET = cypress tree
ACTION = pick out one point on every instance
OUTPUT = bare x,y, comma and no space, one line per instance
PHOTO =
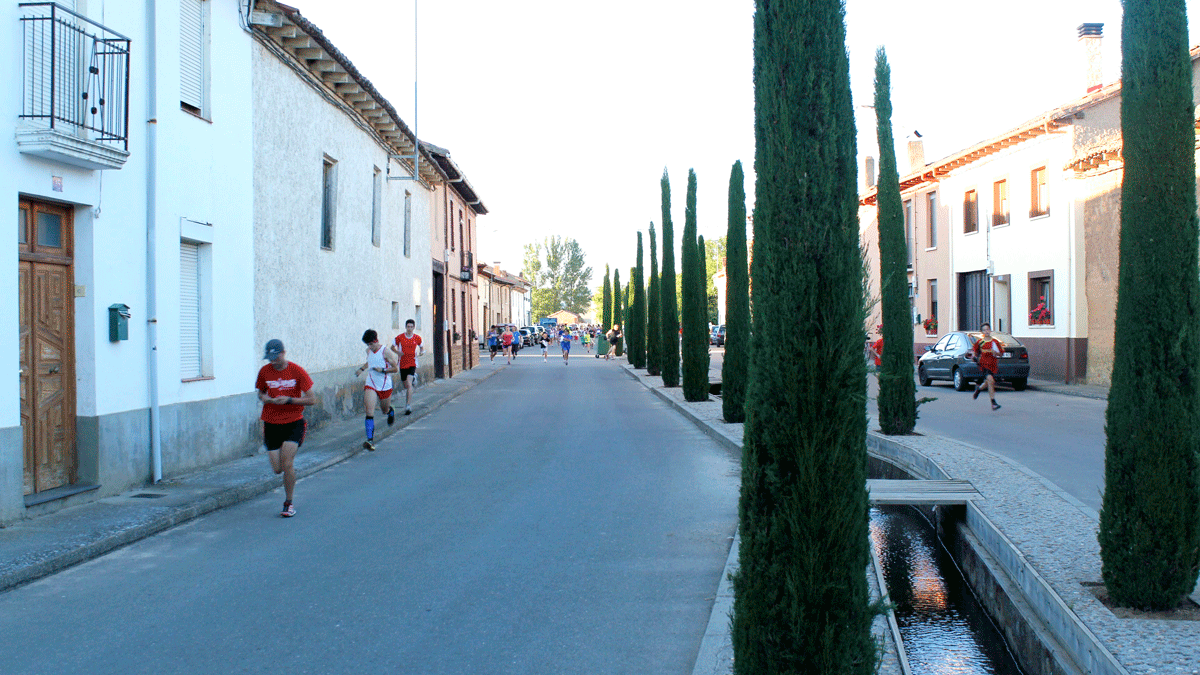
637,317
801,600
693,387
606,314
737,303
897,399
702,313
668,303
1150,520
617,315
653,313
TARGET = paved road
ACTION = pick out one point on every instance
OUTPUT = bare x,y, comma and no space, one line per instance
1058,436
555,519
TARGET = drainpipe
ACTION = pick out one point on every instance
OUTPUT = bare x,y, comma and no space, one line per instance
151,236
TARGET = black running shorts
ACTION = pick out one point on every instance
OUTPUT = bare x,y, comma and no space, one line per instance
405,373
275,435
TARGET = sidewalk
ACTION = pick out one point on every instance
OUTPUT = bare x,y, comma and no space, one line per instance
1047,542
1096,391
38,547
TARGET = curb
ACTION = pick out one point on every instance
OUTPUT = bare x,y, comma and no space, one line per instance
206,504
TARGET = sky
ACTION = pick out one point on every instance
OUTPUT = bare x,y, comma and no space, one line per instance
564,115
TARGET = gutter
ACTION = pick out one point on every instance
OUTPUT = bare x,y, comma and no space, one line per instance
151,240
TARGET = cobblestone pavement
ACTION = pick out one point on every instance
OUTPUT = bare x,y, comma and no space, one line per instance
1055,535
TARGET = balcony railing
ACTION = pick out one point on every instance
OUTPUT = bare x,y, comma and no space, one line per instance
76,74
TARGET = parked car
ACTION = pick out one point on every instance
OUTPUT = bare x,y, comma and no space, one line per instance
717,336
952,358
526,337
535,333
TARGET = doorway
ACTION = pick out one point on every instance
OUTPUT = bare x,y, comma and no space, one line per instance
973,302
1003,303
46,284
439,323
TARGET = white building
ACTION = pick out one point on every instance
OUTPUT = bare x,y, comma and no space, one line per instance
342,232
132,171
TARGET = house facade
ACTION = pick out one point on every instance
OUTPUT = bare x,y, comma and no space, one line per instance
502,298
454,234
131,169
1032,220
341,223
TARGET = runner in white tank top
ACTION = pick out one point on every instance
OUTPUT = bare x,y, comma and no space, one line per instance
377,376
378,387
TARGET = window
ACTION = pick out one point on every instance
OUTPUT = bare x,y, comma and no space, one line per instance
1000,202
417,316
328,202
908,231
933,300
193,56
931,218
1037,193
970,212
195,310
408,227
1041,298
395,315
376,206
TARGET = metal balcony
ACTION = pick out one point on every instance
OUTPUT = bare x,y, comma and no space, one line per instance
75,88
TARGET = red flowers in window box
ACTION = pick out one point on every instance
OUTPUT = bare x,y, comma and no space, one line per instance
930,326
1040,314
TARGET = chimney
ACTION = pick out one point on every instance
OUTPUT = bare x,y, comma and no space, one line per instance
1090,35
916,155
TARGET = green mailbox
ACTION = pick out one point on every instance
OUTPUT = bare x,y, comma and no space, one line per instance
118,322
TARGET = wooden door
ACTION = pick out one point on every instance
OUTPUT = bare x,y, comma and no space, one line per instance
47,337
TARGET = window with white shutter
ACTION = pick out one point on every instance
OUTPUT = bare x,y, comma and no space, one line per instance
193,40
190,342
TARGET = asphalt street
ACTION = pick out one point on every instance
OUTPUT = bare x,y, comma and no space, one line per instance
554,519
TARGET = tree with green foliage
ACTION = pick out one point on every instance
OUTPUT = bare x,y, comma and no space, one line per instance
668,305
653,313
618,315
897,400
558,275
1150,519
702,305
637,317
695,333
736,364
801,599
608,296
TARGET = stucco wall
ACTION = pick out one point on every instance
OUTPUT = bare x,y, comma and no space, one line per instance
317,301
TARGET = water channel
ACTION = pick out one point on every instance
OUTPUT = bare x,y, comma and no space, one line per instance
944,628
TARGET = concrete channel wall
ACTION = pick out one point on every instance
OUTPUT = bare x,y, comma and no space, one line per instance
1042,631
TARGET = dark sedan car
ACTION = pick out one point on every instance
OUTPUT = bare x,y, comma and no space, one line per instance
717,336
952,359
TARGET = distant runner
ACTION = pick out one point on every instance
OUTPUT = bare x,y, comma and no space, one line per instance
987,350
408,347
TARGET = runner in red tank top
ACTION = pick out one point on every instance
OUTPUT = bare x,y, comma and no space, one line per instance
408,348
987,351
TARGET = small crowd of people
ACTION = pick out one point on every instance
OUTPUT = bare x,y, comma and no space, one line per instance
285,388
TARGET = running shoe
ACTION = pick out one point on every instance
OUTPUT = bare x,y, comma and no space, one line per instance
978,386
391,416
408,410
367,444
995,406
288,510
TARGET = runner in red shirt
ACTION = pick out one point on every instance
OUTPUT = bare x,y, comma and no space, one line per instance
284,389
987,350
408,348
507,340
